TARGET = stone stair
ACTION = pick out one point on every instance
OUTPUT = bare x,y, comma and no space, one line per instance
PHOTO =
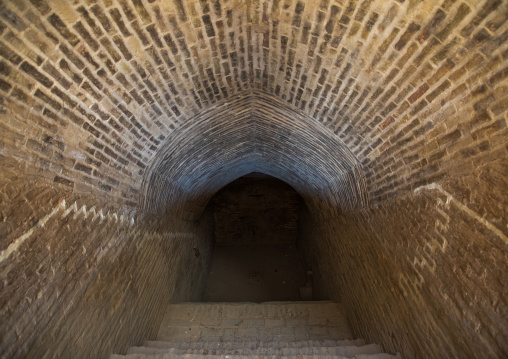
290,330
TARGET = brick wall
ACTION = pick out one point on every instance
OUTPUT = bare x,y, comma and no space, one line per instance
81,277
256,209
423,274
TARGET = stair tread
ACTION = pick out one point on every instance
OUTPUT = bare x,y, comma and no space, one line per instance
254,321
247,322
264,356
268,310
281,303
303,350
255,344
306,330
250,334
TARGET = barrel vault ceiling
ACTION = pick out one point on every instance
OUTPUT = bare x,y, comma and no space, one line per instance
389,83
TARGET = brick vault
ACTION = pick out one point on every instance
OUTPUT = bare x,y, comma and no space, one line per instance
120,119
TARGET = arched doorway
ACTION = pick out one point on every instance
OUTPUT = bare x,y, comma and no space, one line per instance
255,256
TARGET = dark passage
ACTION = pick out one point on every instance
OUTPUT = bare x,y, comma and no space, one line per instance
243,273
255,257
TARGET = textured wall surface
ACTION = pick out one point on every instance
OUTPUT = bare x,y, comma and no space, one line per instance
77,272
423,274
144,109
409,87
256,209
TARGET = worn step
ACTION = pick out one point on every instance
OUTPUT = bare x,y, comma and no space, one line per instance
254,344
346,351
242,334
254,321
225,356
288,330
194,313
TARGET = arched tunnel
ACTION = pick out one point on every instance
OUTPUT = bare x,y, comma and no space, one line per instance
120,120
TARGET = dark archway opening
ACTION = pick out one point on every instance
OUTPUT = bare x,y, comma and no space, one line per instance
255,255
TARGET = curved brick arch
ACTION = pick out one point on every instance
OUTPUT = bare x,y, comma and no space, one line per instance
405,86
253,132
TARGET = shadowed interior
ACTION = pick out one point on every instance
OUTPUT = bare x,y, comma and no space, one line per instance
253,132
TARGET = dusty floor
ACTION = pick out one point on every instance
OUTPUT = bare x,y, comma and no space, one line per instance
242,273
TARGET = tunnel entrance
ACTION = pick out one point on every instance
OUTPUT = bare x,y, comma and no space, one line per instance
255,256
